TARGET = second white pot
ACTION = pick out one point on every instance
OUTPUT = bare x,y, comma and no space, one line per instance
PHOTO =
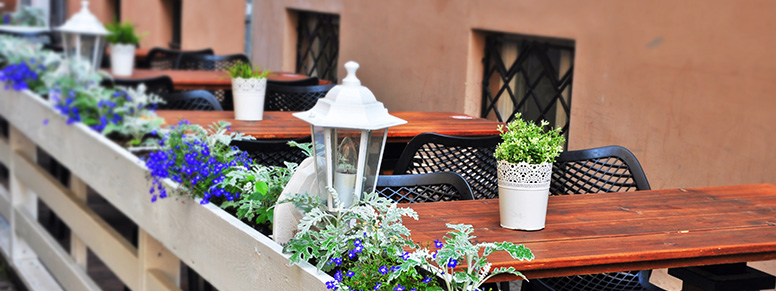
248,97
523,191
122,59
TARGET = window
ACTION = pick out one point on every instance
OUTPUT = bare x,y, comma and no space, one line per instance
528,75
317,45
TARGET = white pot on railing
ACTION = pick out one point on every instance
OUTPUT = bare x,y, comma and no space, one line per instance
523,190
248,97
122,59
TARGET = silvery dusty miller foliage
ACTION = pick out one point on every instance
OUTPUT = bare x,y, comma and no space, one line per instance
525,141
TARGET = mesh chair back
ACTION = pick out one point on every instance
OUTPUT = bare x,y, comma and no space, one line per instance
312,81
273,152
157,85
167,59
470,157
191,100
47,38
210,62
432,187
213,63
604,169
293,98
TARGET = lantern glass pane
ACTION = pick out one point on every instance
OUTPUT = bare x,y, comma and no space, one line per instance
347,160
84,47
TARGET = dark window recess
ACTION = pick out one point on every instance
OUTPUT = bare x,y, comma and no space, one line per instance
177,18
317,45
528,75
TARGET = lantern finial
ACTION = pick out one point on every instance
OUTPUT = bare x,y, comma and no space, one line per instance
351,78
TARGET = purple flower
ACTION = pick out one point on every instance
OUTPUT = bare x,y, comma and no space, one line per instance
383,269
338,276
405,256
438,244
350,274
398,288
452,263
45,121
332,285
378,286
426,280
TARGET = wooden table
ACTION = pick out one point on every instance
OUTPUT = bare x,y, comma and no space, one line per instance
608,232
205,80
282,125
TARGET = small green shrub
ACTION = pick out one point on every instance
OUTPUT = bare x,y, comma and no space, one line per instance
246,71
528,142
122,33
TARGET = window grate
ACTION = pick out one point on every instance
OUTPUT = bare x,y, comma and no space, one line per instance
530,76
317,45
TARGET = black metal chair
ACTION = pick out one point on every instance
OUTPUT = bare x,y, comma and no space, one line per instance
431,187
158,85
210,62
213,63
167,59
312,81
470,157
191,100
293,98
596,170
273,152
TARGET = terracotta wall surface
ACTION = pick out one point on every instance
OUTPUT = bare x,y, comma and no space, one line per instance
687,86
215,24
218,25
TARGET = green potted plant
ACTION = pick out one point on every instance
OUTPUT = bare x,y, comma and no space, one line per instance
525,159
248,87
123,40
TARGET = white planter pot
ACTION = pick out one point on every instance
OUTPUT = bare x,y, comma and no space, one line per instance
122,59
523,190
249,98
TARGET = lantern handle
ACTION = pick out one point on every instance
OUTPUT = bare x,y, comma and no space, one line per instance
351,78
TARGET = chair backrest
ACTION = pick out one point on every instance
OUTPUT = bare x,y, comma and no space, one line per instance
158,85
210,62
167,59
47,38
432,187
470,157
604,169
191,100
312,81
293,98
273,152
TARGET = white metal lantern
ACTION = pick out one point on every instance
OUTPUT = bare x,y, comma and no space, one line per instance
83,37
349,128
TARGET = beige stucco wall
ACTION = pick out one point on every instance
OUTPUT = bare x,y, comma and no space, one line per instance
216,24
687,86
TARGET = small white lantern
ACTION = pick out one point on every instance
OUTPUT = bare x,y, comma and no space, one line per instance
349,128
83,37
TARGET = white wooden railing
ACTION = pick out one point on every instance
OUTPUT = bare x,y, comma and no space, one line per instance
223,250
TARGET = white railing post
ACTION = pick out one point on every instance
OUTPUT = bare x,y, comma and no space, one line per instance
77,246
22,199
159,268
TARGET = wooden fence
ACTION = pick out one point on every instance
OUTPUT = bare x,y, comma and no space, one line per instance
223,250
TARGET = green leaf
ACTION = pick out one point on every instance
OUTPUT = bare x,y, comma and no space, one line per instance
261,187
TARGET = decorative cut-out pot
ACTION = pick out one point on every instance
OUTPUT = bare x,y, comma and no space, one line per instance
523,190
248,97
122,59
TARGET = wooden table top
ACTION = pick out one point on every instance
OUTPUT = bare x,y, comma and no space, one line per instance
205,80
608,232
282,125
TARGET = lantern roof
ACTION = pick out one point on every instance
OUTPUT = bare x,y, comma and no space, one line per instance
351,106
84,22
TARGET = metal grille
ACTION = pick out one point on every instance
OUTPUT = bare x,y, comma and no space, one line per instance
528,75
420,193
608,174
317,45
621,281
294,98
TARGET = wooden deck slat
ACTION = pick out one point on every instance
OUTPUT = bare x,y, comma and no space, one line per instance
112,249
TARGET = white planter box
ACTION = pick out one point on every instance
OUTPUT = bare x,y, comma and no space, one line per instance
223,250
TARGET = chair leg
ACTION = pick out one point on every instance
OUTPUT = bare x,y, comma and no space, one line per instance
731,277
